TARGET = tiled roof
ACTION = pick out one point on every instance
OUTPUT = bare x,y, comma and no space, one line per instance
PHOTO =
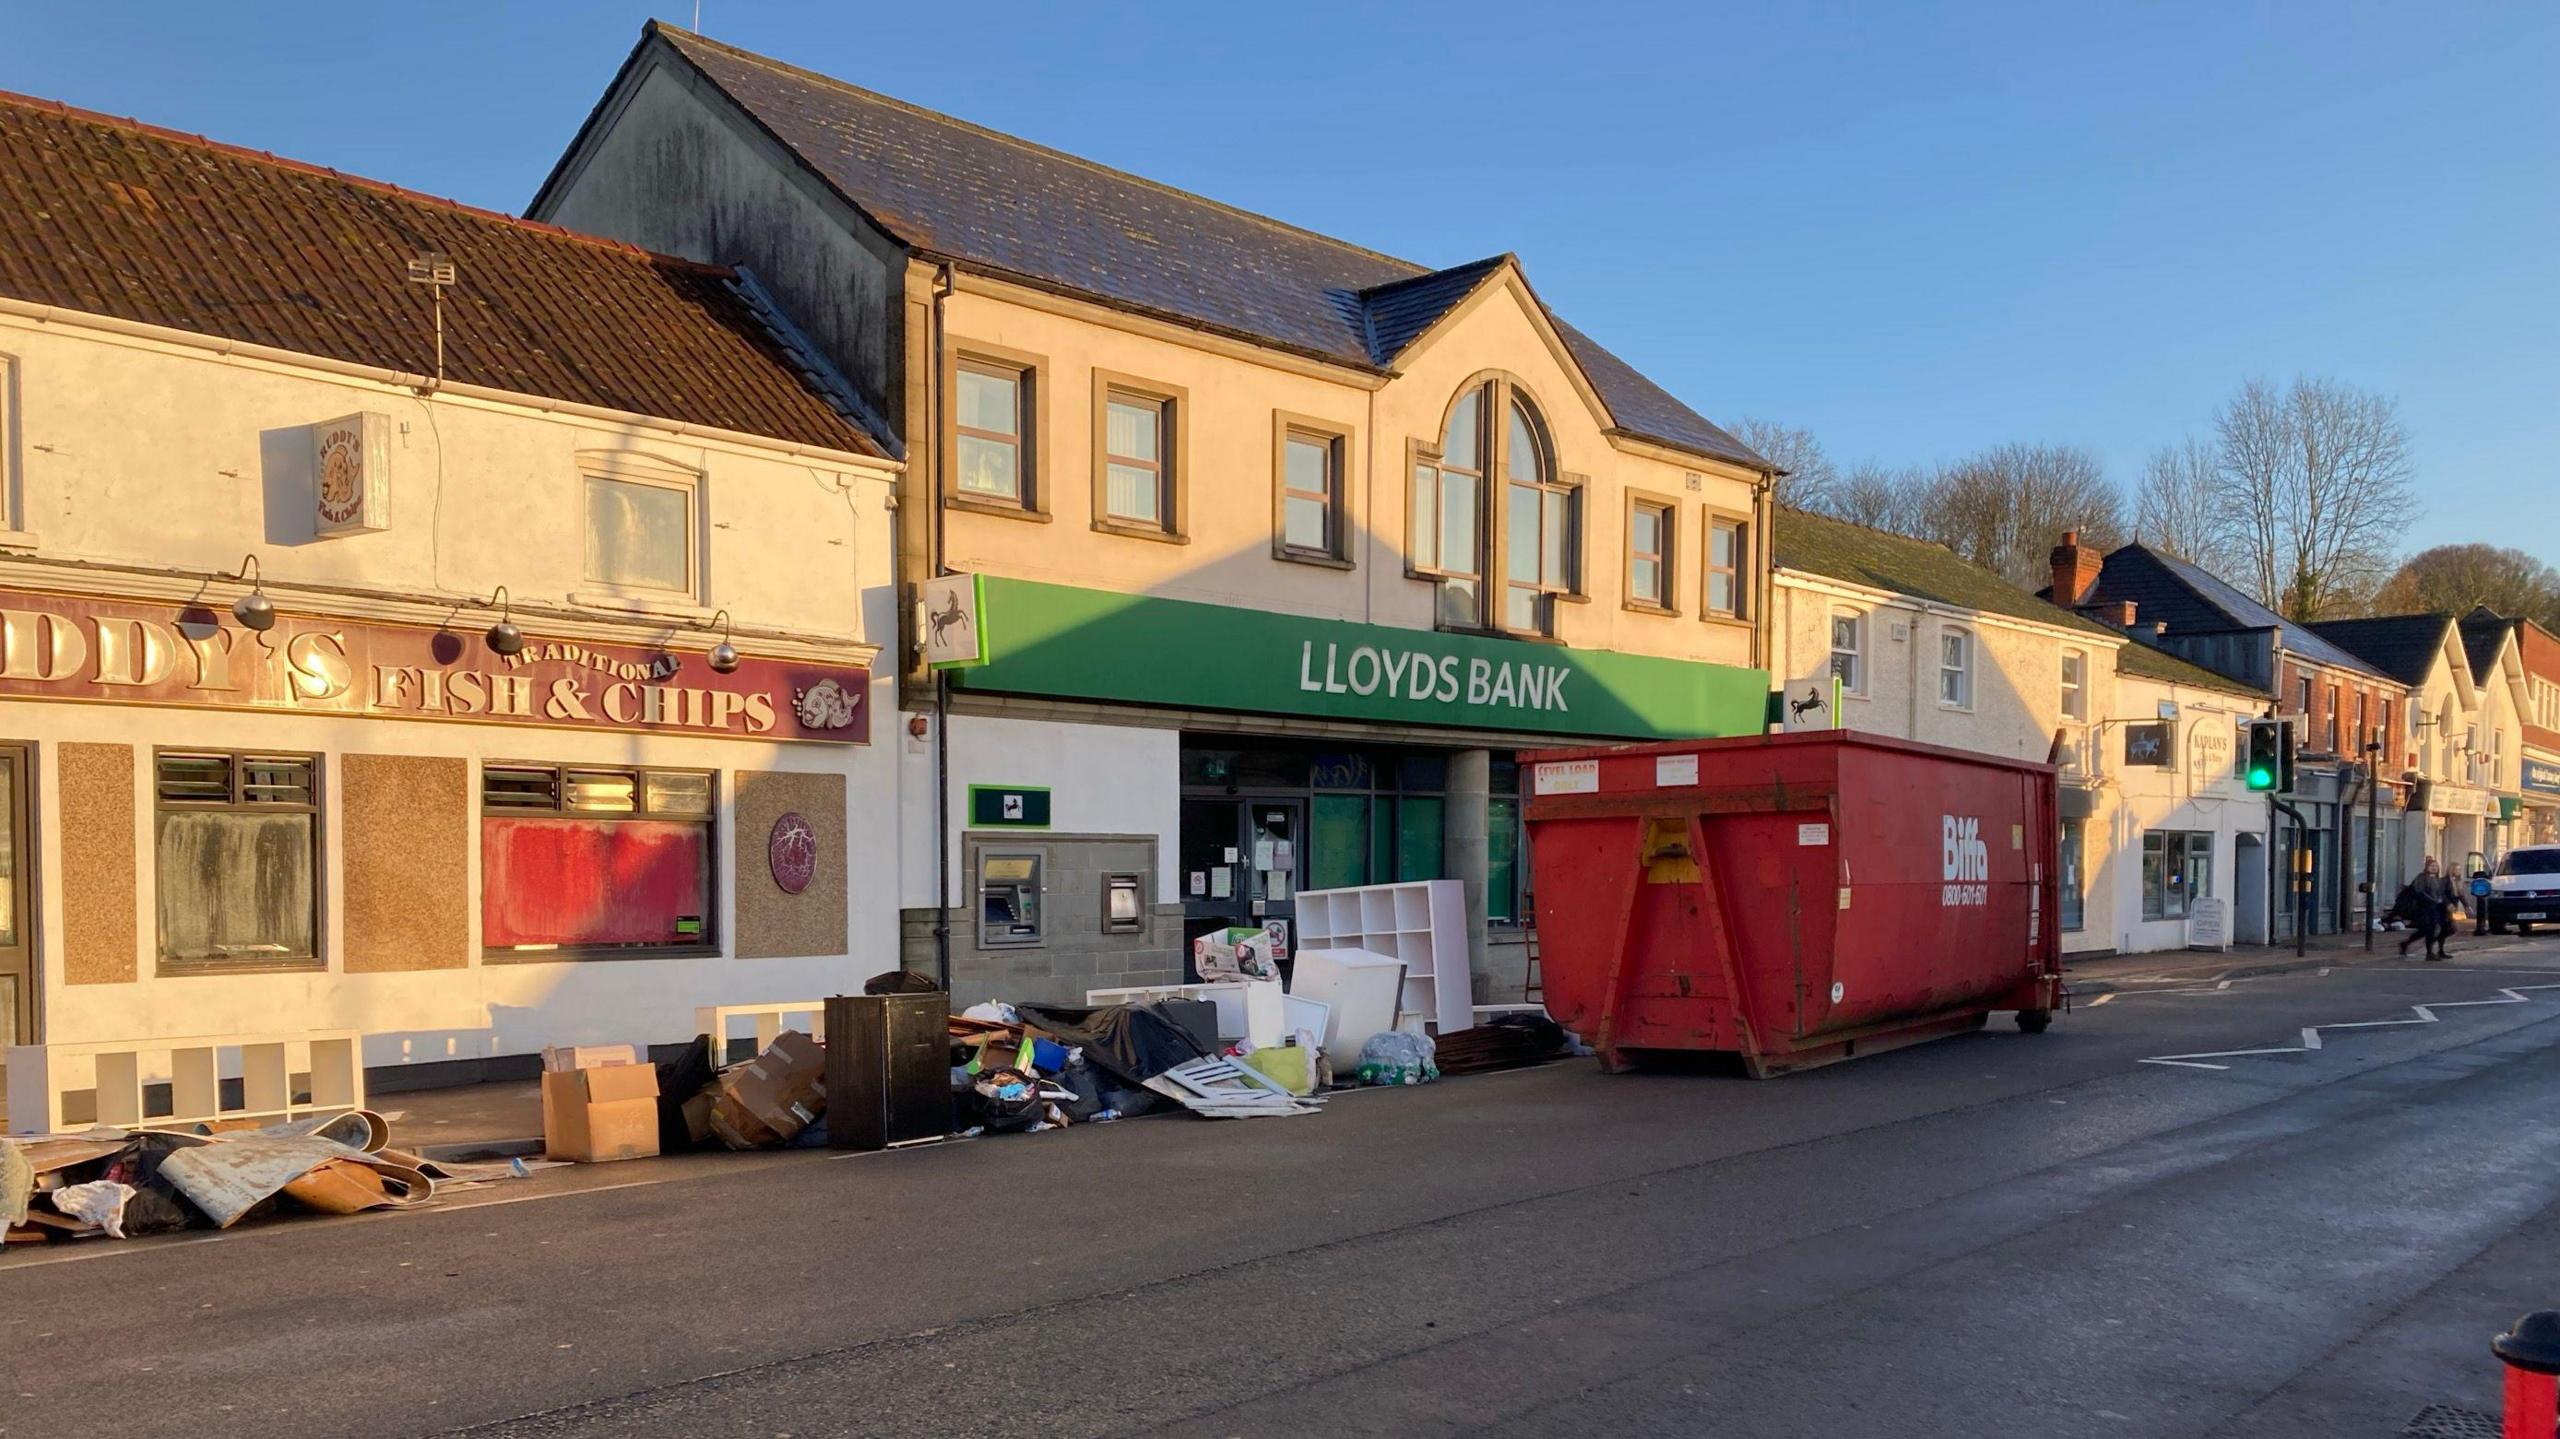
2484,632
1400,310
2149,662
115,218
2402,646
2195,600
1854,554
958,191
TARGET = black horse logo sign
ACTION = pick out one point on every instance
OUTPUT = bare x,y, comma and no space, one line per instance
1812,703
951,617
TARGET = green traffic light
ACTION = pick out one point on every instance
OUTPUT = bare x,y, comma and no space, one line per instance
2262,778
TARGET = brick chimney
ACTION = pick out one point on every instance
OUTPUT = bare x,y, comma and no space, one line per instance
2075,571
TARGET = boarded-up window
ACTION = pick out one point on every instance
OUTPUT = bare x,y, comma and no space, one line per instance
581,862
238,858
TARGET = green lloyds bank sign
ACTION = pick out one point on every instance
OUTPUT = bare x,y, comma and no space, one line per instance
1044,639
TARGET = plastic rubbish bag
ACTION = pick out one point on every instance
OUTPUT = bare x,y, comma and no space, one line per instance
101,1202
992,1013
1392,1056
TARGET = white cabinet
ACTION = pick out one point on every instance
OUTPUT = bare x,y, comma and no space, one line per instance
1422,923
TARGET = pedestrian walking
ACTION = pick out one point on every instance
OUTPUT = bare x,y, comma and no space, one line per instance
2426,902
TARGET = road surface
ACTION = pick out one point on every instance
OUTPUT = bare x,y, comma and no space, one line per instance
1992,1235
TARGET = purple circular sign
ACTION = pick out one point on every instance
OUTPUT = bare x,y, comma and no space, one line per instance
793,853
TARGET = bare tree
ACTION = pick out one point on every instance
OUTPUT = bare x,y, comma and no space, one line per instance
2314,479
2177,508
2452,579
1810,477
1878,498
2005,507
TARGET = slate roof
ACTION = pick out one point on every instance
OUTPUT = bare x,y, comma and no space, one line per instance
2192,600
116,218
952,190
2402,646
1854,554
2150,662
2484,631
1399,311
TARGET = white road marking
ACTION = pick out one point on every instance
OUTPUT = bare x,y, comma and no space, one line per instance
2105,998
2311,1033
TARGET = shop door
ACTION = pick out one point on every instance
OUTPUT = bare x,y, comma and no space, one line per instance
17,937
1242,863
1275,856
1213,860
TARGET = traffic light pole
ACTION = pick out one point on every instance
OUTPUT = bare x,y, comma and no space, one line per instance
2298,882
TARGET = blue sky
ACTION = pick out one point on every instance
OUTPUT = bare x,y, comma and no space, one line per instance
1913,229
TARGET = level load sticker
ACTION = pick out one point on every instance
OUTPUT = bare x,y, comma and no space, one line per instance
1569,776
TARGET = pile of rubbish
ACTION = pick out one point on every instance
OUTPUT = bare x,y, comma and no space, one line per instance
125,1183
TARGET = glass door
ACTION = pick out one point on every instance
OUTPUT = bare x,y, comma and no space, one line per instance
17,947
1214,884
1275,830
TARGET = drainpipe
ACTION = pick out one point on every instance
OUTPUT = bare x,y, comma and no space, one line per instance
941,678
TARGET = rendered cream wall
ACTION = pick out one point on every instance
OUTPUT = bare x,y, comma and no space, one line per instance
1229,441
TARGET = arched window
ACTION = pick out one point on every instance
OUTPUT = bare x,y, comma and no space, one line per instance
1495,431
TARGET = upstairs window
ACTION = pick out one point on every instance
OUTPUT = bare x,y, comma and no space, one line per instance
1955,668
641,523
992,439
1448,508
1310,491
1728,560
2075,684
1137,461
1539,541
1649,554
1848,650
1494,430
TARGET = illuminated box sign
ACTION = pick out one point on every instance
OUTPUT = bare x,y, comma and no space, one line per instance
67,648
1049,639
2541,776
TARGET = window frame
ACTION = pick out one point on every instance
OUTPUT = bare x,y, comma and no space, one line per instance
1172,404
631,467
1858,653
14,534
2153,879
1551,482
1740,523
1965,634
1032,406
1286,427
1667,514
2075,690
708,947
234,803
1498,390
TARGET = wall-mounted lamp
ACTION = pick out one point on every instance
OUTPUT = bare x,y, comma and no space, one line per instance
724,655
254,609
504,638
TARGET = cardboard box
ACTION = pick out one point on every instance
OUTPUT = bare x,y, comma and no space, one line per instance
769,1099
593,1115
588,1056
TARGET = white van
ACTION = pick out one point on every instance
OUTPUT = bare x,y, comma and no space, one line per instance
2524,890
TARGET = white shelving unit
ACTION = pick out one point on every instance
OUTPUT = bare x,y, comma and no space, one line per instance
1421,922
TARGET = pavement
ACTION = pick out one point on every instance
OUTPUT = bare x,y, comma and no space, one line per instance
2294,1204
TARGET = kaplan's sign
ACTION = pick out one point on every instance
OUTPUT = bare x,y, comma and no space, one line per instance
122,652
